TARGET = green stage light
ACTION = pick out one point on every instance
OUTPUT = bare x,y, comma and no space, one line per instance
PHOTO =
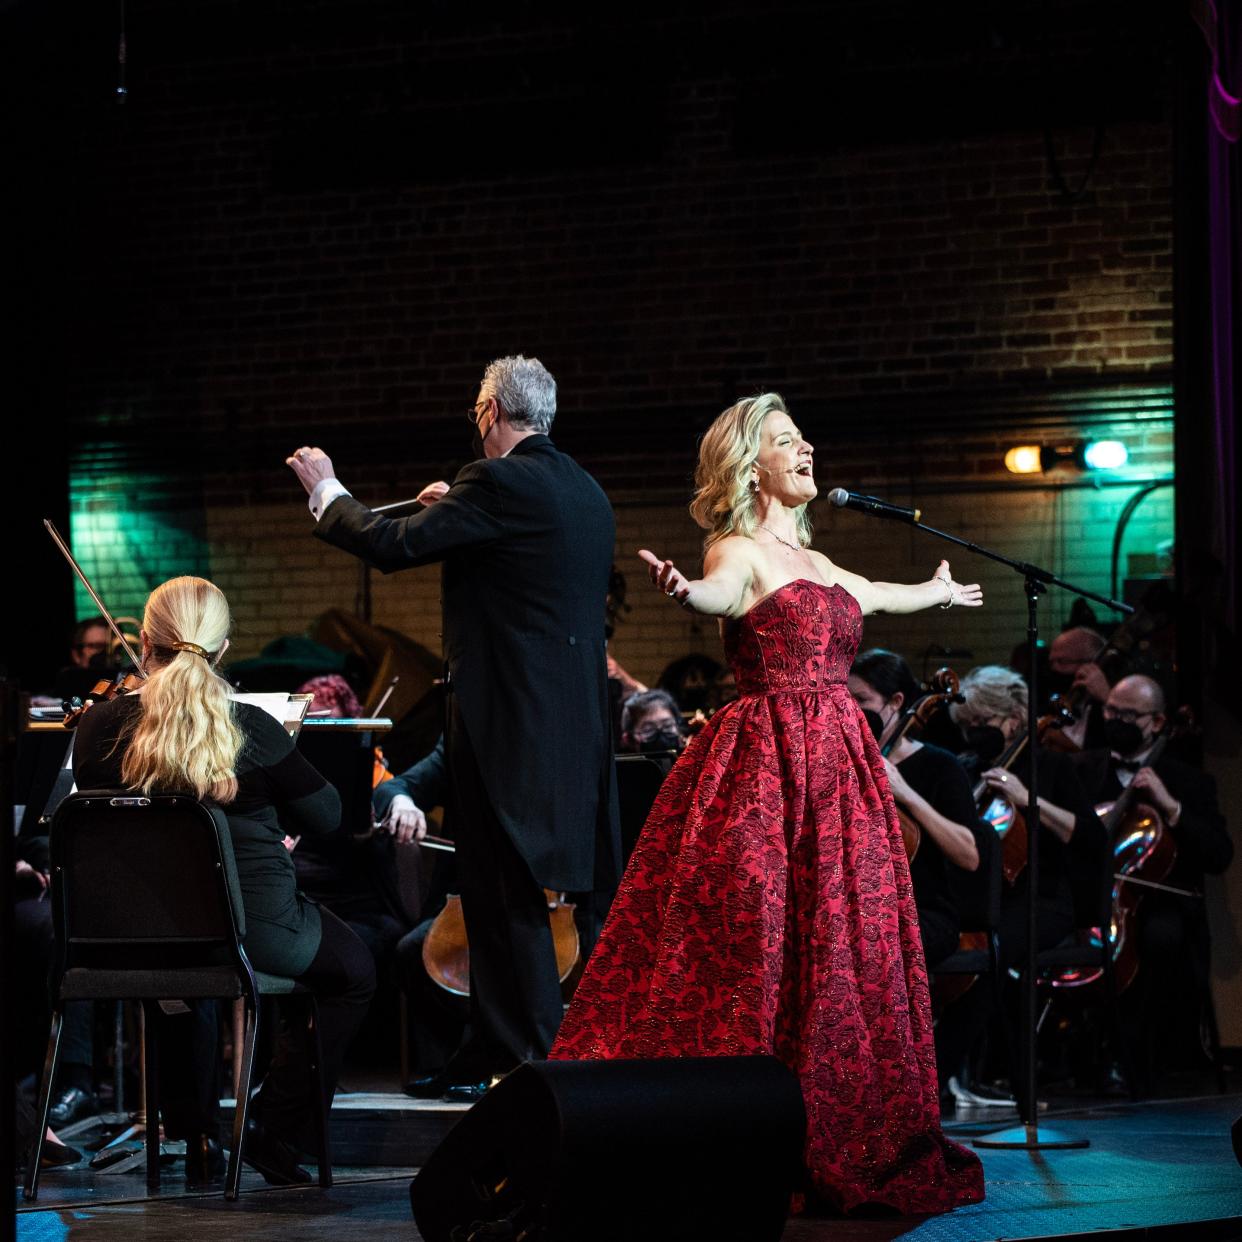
1105,455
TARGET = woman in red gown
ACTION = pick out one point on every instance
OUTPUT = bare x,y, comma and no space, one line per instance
767,907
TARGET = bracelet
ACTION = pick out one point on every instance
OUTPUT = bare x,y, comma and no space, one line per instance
948,583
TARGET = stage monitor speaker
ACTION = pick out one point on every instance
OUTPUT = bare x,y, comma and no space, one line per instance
599,1151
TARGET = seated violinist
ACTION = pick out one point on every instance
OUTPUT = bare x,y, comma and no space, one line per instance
993,717
1163,1006
931,787
182,731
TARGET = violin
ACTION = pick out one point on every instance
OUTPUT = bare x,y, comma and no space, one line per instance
942,689
104,689
446,952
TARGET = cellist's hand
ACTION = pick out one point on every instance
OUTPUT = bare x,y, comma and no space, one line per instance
1008,786
405,821
311,465
1168,806
898,783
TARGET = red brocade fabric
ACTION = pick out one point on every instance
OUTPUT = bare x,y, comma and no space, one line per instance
767,908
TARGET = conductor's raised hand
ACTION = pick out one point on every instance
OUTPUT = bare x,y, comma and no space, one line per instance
311,465
962,596
431,493
666,576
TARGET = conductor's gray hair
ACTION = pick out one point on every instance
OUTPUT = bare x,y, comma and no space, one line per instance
524,389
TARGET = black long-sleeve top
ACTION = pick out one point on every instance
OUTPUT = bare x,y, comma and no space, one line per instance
938,777
1067,870
278,793
425,783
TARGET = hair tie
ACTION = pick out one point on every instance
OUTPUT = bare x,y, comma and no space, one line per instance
193,647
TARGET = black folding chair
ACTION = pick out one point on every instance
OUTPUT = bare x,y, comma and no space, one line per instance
147,907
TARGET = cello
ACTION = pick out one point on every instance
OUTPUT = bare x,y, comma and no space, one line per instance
446,951
1144,853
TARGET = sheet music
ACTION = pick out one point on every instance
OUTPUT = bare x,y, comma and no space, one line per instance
288,710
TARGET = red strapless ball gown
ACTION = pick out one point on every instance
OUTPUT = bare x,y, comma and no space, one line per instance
767,908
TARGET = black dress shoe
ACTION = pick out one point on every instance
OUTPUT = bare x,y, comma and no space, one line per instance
466,1092
204,1159
274,1159
428,1087
55,1154
69,1105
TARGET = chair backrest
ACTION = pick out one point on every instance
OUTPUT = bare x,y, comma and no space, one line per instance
979,892
144,883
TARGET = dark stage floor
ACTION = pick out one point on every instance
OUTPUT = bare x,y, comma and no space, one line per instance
1163,1169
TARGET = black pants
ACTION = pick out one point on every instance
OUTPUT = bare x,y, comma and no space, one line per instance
342,976
939,934
515,994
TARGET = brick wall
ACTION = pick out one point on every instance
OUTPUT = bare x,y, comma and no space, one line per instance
278,578
318,226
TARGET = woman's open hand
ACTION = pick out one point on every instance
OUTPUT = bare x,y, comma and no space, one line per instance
666,576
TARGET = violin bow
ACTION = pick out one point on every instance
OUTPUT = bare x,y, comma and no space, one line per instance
85,581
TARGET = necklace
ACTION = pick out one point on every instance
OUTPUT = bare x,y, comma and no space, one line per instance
792,546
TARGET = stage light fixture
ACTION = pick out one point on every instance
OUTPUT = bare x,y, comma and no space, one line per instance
1082,454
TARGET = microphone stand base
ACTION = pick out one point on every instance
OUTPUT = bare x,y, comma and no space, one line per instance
1028,1138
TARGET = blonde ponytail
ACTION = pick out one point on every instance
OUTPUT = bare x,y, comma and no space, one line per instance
186,737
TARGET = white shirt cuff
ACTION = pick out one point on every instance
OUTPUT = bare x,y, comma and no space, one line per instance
326,491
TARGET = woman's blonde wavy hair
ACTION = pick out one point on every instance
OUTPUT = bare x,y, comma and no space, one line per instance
724,501
185,737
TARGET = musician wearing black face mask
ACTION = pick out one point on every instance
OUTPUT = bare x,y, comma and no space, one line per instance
1071,839
930,786
651,723
1161,1009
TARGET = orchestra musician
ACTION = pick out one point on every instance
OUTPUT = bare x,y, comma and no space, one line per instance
1161,1010
1073,669
244,761
929,785
993,718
